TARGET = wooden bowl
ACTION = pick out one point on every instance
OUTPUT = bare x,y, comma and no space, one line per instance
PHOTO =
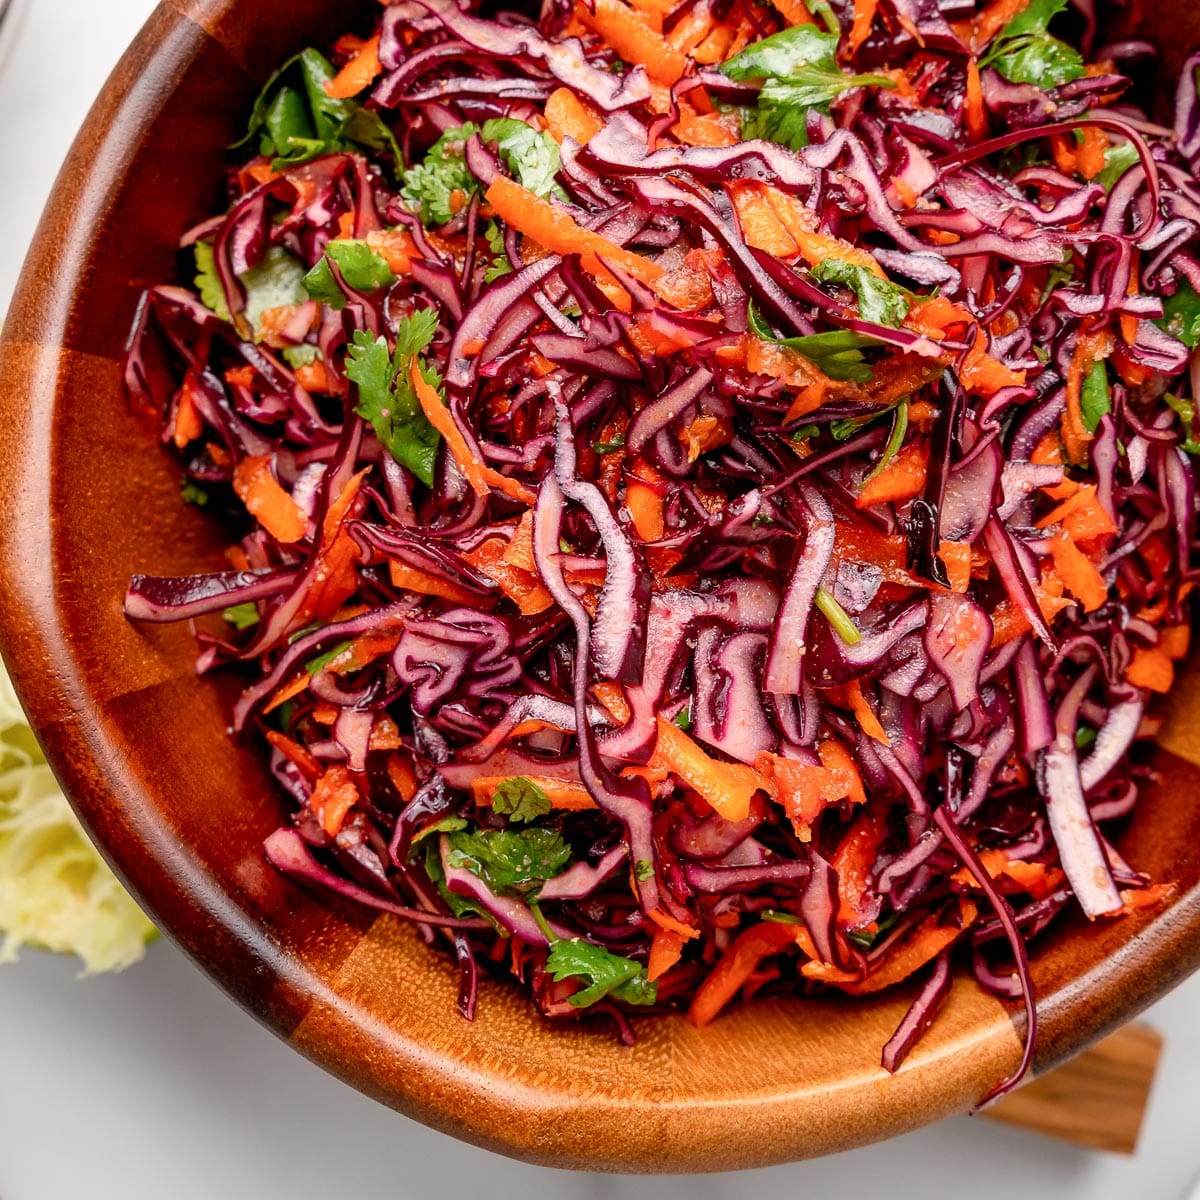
88,497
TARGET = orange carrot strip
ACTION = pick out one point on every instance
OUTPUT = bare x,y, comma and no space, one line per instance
1089,349
295,753
333,797
977,121
645,506
189,425
479,475
1136,898
1174,640
760,227
868,722
562,793
801,790
1151,668
836,758
524,589
358,73
926,942
1089,156
568,116
612,696
794,12
634,40
853,861
1081,515
736,966
902,479
266,501
395,246
557,232
1075,569
993,19
410,579
704,131
401,773
864,14
286,692
666,949
728,787
664,920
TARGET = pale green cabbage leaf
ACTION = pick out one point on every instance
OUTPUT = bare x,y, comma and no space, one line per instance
56,892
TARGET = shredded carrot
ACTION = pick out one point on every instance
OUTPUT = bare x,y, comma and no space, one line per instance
288,691
384,733
410,579
984,27
1127,322
1174,640
612,696
568,116
1089,156
314,377
902,479
296,754
804,791
1076,570
358,73
1089,349
557,232
479,476
666,949
868,722
1082,516
1135,898
728,787
925,943
794,12
189,424
335,578
736,966
1151,667
664,920
524,589
400,772
266,501
562,793
704,131
860,28
854,861
628,33
395,246
977,121
334,795
645,505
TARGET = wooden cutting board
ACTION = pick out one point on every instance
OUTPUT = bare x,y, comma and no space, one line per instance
1097,1099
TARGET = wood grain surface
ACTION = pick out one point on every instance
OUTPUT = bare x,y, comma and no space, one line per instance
1098,1099
88,497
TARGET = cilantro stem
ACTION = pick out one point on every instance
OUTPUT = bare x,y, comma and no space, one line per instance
542,923
894,442
839,619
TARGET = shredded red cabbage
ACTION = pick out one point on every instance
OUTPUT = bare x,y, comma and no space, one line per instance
712,484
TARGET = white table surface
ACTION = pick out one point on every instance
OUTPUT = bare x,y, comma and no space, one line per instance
153,1084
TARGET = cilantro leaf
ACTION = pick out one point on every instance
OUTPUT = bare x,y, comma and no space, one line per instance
520,799
799,70
1181,315
276,282
1117,160
208,282
501,265
605,973
296,120
323,659
242,616
385,393
532,156
508,861
1093,398
879,300
362,268
838,353
1187,418
429,185
302,355
643,869
1025,52
460,906
193,493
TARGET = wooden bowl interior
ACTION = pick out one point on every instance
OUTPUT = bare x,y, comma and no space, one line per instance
90,497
